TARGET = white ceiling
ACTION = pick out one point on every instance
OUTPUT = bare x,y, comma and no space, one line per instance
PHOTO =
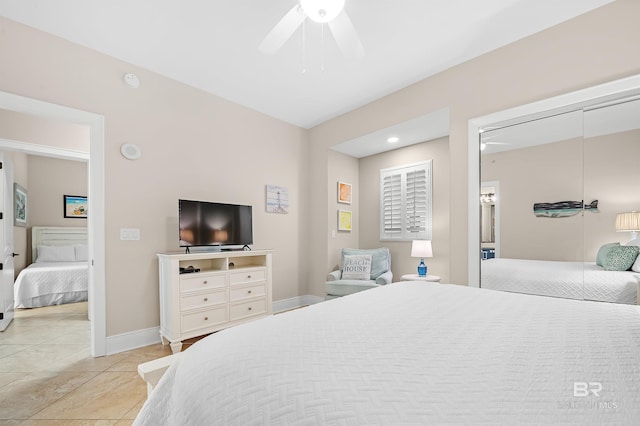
213,44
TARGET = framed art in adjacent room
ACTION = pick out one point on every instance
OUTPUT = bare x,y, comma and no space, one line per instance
20,205
75,206
344,192
344,220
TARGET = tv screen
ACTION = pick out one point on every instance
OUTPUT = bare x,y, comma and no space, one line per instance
210,224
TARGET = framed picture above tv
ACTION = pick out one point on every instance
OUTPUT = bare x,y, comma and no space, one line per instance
75,206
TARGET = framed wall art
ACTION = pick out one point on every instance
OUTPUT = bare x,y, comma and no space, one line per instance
75,206
344,220
344,192
20,205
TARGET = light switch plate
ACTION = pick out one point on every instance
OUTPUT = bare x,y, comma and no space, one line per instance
129,234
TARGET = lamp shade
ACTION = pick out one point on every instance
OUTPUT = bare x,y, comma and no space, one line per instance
628,222
421,248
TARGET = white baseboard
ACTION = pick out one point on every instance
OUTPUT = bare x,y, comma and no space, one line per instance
150,336
295,302
132,340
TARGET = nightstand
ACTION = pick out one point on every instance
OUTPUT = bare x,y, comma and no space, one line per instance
416,277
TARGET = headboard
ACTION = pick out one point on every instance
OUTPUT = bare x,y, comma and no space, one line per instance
55,236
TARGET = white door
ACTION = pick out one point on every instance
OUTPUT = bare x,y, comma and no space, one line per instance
6,242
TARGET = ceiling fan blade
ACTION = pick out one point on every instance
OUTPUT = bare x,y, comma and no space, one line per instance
346,36
282,31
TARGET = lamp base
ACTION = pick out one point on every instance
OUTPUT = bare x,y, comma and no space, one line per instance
422,268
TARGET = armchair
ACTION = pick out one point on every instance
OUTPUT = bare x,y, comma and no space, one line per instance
360,269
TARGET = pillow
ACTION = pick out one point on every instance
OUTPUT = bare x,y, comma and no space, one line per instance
602,253
380,259
356,267
636,265
82,252
620,258
56,254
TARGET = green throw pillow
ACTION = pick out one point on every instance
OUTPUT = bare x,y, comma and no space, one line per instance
602,253
620,258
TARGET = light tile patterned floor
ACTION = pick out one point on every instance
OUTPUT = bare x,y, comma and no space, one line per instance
48,377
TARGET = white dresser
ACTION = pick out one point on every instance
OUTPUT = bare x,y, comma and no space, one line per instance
230,288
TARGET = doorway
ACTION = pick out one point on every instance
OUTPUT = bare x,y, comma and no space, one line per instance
96,178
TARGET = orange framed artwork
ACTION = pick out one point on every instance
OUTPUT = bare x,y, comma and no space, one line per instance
344,192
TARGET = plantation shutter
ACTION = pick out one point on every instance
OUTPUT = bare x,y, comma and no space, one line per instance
405,202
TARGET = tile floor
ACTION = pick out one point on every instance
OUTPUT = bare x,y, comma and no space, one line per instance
48,377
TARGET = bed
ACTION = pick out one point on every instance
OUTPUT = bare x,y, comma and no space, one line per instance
59,273
571,280
412,353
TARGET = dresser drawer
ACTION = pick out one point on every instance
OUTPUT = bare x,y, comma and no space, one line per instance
248,276
203,299
203,319
247,292
247,309
202,282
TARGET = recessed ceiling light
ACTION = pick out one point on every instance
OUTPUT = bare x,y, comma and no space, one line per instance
393,139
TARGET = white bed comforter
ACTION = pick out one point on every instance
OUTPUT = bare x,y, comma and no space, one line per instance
571,280
46,283
412,354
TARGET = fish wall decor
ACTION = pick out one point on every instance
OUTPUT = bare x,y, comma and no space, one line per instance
563,208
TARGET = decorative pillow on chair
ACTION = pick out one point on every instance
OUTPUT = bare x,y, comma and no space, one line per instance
602,252
620,258
356,267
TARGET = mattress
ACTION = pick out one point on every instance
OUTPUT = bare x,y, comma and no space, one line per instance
571,280
51,283
412,353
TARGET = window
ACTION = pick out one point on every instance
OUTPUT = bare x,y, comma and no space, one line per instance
405,202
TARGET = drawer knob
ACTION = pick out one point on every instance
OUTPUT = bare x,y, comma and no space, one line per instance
206,318
249,276
249,307
206,299
204,282
249,291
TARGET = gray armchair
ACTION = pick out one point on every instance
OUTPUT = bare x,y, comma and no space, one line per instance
360,269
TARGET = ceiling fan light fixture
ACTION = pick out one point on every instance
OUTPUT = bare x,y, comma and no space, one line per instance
322,10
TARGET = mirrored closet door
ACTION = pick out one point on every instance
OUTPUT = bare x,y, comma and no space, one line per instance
563,178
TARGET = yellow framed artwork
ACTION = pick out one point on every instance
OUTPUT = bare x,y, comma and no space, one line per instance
344,192
344,220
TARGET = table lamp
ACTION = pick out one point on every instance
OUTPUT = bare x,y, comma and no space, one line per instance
421,249
628,222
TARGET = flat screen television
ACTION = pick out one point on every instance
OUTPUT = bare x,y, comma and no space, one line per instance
205,223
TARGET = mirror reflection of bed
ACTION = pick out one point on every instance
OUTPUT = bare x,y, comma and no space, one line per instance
589,156
58,274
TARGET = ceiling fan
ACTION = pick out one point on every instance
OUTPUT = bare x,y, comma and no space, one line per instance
330,12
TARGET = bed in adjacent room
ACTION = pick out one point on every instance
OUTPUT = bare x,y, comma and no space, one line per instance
571,280
60,269
412,353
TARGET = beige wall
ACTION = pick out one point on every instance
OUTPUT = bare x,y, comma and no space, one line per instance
344,168
200,146
541,174
49,180
194,145
30,129
598,168
401,260
591,49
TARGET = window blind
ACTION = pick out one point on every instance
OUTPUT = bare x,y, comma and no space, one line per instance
405,202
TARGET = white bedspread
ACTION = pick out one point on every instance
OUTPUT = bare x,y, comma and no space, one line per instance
571,280
51,283
412,353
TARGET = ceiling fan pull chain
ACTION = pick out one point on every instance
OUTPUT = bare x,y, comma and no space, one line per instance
322,48
304,43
